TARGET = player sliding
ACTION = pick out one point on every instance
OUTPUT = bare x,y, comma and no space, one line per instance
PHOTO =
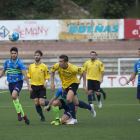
60,104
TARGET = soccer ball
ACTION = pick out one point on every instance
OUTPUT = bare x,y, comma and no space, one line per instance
13,36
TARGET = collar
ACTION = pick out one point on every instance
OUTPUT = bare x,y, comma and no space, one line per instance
10,61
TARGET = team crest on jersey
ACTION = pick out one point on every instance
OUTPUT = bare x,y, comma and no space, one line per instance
41,70
137,66
7,65
15,65
96,65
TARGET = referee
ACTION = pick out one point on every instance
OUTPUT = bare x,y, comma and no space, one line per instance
39,75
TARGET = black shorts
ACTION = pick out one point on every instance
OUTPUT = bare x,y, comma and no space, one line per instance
94,85
38,92
73,87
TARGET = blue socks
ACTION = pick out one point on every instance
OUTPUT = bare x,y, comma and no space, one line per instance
89,99
93,94
46,102
84,105
99,97
39,110
72,110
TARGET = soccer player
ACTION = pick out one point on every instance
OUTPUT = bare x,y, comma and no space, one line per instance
68,75
101,90
60,104
135,71
15,72
95,73
39,75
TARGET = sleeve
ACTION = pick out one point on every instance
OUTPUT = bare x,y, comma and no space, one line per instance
47,76
22,66
135,67
29,72
55,67
101,66
58,93
85,67
78,70
5,66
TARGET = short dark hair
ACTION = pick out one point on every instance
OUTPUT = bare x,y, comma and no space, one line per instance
64,57
14,49
139,49
93,52
40,52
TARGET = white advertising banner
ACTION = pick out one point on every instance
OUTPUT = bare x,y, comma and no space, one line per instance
30,29
95,29
109,82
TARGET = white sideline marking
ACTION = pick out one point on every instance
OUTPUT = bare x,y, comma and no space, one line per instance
3,91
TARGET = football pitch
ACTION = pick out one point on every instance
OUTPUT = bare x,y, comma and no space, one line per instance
116,120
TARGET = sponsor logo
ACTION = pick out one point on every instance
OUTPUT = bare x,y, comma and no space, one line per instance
16,65
4,32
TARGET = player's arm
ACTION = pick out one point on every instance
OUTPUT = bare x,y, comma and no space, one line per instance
50,103
4,69
47,77
52,81
2,72
102,75
27,80
102,71
84,82
53,69
84,68
131,77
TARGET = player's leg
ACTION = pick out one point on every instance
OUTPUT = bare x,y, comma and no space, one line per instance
56,105
138,92
93,95
90,89
66,116
39,109
97,91
70,96
15,88
82,104
42,98
138,95
104,94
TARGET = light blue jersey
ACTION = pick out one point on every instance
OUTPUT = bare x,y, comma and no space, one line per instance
63,95
14,70
137,69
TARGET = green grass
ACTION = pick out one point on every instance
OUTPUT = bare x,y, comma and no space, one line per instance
116,120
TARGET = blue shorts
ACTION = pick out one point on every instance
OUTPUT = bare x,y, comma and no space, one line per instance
138,92
16,86
65,107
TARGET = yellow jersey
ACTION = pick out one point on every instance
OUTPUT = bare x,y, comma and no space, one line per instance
93,69
38,74
69,75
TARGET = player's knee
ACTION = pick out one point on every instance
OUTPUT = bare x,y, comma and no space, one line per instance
69,100
63,120
42,103
14,97
36,103
54,104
